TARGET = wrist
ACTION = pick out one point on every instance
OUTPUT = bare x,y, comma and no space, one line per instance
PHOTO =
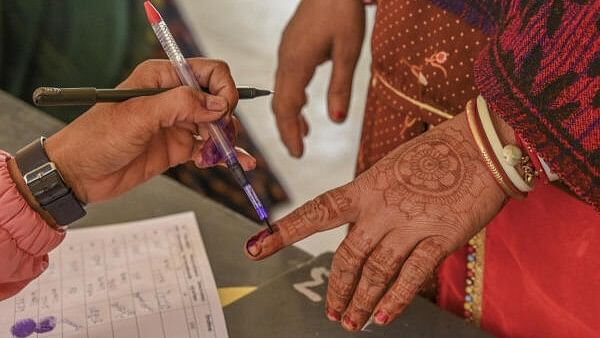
58,155
17,177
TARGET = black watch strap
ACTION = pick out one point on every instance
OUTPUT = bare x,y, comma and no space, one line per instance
32,156
46,184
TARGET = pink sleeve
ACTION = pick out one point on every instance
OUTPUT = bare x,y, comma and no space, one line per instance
25,238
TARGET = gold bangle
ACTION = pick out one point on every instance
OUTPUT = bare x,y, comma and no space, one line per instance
490,161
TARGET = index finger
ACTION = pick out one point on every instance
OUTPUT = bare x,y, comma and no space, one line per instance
327,211
212,74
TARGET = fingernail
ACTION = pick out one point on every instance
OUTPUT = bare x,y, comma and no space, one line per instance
254,244
44,265
216,103
349,323
381,317
339,115
333,315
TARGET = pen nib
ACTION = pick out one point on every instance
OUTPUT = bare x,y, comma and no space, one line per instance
262,92
269,225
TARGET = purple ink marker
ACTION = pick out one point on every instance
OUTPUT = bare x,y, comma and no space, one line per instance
217,134
46,324
23,328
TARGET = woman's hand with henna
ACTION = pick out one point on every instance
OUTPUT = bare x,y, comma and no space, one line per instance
409,211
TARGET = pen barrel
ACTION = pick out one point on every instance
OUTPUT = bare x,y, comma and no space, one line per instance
240,177
246,92
187,77
120,95
47,96
237,172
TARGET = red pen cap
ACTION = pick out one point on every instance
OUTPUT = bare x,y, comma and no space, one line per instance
151,13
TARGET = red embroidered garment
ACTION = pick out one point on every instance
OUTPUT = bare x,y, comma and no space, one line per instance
541,73
539,273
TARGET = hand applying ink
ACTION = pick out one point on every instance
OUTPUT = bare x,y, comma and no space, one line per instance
109,150
116,146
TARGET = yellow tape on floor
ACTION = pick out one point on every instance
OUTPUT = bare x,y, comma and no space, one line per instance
231,294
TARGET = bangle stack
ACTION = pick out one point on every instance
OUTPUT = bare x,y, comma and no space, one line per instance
501,160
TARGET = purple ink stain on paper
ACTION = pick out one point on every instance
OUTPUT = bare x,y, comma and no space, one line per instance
46,324
23,328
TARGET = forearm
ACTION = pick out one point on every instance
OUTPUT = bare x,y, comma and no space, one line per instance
25,238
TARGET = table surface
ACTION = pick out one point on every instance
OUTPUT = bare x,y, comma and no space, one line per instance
223,230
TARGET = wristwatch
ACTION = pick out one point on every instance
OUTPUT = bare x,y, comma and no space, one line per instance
47,185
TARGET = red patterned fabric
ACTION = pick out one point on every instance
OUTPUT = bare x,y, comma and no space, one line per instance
541,73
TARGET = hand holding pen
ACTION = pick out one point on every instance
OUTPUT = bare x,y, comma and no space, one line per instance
217,148
112,148
187,77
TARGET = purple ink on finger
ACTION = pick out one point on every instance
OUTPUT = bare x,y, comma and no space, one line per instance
23,328
210,154
46,324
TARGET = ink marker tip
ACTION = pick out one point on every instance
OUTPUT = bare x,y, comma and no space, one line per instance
151,13
269,225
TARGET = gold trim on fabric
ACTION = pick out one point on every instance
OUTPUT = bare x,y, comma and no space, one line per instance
422,105
479,243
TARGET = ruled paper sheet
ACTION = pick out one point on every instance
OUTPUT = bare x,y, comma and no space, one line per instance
150,278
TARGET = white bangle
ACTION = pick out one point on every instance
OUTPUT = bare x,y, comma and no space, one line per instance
498,149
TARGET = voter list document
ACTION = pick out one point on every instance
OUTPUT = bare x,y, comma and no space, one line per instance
148,279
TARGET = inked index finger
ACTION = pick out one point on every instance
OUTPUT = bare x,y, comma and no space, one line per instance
327,211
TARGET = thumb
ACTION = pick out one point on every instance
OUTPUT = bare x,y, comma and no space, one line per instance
340,84
178,105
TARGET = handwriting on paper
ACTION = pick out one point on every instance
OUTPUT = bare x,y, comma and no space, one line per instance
141,279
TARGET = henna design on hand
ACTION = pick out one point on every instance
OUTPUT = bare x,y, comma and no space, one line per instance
438,172
420,202
320,210
427,187
377,273
416,270
345,268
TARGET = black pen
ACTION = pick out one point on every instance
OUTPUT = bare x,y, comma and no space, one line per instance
87,96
